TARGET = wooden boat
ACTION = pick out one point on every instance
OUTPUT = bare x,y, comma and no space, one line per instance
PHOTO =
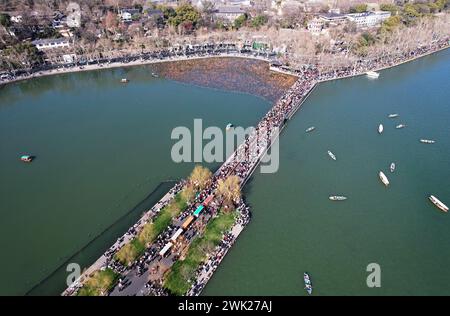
332,156
27,158
337,198
308,283
427,141
392,167
372,74
438,203
383,178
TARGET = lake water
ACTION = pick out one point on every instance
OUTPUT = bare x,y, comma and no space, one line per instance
102,147
295,228
103,156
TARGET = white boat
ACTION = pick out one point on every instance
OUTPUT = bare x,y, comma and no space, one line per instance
310,129
27,158
393,115
337,198
427,141
392,167
332,156
400,126
124,80
154,75
372,74
383,178
380,128
438,203
229,125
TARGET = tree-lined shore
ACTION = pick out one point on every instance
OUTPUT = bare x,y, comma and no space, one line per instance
102,34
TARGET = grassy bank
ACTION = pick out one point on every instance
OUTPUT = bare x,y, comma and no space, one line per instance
178,279
135,248
99,284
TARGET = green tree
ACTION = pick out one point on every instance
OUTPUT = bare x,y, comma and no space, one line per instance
433,7
390,23
367,39
359,8
5,19
441,4
168,12
185,13
136,17
389,7
259,21
240,21
410,10
23,53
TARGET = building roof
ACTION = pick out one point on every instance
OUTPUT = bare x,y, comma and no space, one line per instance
49,41
130,11
332,16
230,10
151,12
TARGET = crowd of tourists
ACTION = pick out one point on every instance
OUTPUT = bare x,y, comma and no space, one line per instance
206,270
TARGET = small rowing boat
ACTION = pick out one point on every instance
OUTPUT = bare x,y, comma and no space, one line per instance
27,158
392,167
380,128
383,178
400,126
338,198
308,283
427,141
394,115
372,74
310,129
332,156
438,203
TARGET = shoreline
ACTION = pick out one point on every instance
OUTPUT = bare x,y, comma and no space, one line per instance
390,66
95,67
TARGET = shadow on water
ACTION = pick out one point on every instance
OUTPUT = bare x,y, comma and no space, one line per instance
56,281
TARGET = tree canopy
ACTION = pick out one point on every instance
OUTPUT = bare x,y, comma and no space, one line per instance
259,20
200,177
184,13
240,21
5,19
359,8
229,189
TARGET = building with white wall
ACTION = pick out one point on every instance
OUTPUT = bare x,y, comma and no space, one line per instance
52,43
73,15
368,19
229,14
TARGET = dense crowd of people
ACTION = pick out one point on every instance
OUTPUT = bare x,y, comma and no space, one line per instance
206,270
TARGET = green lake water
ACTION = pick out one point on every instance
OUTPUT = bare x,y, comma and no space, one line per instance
295,228
103,156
